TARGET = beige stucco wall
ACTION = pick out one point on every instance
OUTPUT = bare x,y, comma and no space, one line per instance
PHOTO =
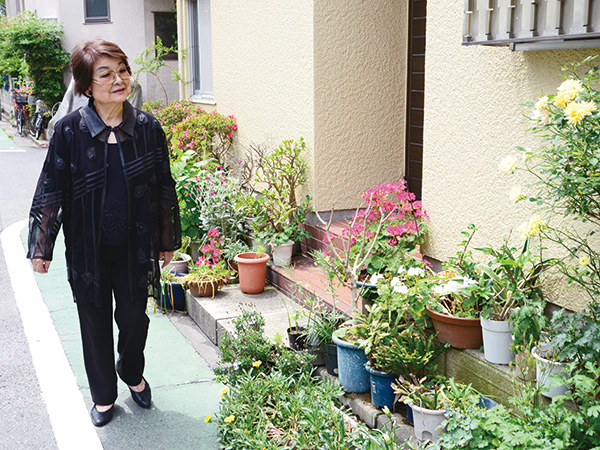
263,70
360,75
473,118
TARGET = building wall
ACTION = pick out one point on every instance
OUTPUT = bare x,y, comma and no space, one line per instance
263,70
131,27
359,89
473,118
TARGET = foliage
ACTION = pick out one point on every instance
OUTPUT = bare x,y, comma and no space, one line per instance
152,61
37,42
207,199
249,351
204,135
207,273
434,393
273,411
170,115
565,168
274,179
233,248
324,324
511,278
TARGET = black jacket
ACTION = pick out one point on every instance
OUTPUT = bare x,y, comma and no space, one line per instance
71,191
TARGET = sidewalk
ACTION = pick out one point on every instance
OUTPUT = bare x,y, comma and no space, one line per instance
183,391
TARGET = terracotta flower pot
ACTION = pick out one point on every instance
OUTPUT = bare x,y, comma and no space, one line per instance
457,331
253,271
205,288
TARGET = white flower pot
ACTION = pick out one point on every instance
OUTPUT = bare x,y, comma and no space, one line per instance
544,369
427,422
177,266
282,254
497,338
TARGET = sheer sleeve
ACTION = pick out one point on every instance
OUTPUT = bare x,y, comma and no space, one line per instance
45,216
170,225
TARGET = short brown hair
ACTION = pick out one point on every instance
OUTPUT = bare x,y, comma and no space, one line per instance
83,57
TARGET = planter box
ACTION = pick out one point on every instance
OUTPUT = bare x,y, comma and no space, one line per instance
456,331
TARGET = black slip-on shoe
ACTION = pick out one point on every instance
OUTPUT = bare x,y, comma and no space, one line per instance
100,419
144,398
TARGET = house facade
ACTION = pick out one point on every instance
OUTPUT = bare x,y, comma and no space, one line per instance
133,25
391,89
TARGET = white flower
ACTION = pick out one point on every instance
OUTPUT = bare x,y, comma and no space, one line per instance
438,289
415,271
468,281
516,194
401,269
400,289
395,281
375,278
507,165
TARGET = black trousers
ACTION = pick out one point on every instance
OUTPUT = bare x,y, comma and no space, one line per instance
96,325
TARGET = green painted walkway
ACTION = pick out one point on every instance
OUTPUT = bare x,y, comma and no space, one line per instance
183,392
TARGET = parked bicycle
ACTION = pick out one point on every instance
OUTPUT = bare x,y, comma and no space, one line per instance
20,110
36,121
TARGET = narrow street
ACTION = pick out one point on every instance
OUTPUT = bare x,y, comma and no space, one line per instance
44,396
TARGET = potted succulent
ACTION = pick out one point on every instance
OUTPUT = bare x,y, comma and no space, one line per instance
204,280
277,214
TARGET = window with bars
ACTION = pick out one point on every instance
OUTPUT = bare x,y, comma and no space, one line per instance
532,24
96,11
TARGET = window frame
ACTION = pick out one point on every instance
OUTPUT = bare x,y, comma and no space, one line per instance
96,19
200,52
169,56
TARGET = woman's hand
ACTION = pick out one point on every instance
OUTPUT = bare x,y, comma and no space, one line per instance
40,265
165,257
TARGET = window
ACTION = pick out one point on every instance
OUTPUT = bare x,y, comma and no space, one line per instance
165,27
96,11
200,51
532,25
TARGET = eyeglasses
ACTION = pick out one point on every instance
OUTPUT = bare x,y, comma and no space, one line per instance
110,76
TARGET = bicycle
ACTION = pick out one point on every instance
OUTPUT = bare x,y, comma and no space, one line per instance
20,113
36,121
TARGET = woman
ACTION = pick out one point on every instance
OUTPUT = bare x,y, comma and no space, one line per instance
107,180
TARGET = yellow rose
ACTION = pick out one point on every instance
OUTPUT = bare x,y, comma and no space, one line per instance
207,419
575,112
507,165
224,391
229,419
584,260
257,363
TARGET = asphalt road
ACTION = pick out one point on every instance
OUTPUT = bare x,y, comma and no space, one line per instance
24,420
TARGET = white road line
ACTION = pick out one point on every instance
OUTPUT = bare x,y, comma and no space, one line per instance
68,414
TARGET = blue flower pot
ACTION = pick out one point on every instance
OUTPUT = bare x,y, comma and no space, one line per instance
409,414
487,403
382,393
353,376
172,297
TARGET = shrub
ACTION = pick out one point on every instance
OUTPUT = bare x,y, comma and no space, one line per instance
204,135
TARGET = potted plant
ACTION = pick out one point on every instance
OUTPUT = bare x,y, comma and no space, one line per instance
321,330
512,281
430,399
458,298
273,180
252,268
204,280
296,333
233,248
180,261
349,339
172,294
